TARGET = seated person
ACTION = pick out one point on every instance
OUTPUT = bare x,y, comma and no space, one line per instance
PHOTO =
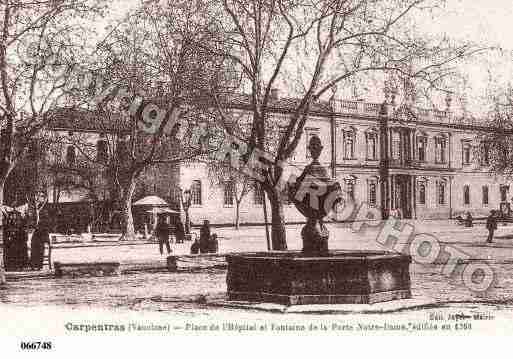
468,220
213,244
204,237
195,247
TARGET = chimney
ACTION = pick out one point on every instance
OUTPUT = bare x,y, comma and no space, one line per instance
275,94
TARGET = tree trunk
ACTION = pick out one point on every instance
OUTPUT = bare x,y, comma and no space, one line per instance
37,217
187,221
266,223
237,215
2,267
128,219
278,236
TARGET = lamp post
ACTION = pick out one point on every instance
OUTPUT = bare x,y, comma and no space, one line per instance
185,199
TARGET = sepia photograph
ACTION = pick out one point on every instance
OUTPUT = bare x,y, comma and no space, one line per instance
254,167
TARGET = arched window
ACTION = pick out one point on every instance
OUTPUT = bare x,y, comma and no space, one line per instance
421,147
441,187
466,151
396,145
349,143
70,155
196,196
440,149
466,195
310,132
422,193
372,144
485,195
504,192
485,153
350,190
350,182
373,192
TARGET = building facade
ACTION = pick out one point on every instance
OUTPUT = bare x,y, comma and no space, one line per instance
426,163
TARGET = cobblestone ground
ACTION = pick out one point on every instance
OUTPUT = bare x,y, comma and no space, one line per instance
184,292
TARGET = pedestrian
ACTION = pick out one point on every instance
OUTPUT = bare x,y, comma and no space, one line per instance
204,237
162,231
40,237
491,225
179,232
9,242
21,244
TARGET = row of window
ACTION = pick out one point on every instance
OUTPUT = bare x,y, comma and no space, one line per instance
484,194
503,190
397,147
441,191
102,153
466,151
372,191
349,146
228,194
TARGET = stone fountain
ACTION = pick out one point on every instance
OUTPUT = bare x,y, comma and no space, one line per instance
317,275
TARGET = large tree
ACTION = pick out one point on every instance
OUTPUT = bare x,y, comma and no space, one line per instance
495,148
154,80
308,48
38,40
223,175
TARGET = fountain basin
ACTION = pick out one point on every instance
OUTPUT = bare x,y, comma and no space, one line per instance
339,277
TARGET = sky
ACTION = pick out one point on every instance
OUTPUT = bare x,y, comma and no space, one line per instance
488,22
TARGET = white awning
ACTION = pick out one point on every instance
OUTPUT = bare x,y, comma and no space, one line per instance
151,201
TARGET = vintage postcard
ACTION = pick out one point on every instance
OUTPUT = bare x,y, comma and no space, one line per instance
254,167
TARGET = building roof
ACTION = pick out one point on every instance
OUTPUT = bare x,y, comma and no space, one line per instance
79,119
281,104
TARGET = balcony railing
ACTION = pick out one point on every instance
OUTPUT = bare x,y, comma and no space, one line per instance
369,109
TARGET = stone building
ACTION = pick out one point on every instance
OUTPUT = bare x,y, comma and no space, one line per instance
429,164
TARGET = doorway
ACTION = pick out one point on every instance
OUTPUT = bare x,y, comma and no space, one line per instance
403,195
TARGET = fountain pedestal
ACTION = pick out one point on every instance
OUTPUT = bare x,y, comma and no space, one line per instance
317,275
340,277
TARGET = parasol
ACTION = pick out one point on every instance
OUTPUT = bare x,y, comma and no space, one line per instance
151,201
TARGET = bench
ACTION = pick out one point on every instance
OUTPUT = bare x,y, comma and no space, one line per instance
89,269
172,260
187,237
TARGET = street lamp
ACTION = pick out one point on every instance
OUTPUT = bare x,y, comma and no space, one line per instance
185,199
